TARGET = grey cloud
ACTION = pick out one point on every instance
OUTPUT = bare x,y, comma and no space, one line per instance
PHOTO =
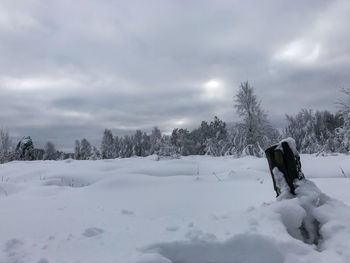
69,69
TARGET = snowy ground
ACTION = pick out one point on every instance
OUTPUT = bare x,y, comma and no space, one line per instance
190,210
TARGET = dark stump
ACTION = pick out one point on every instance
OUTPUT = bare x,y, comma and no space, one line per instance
287,161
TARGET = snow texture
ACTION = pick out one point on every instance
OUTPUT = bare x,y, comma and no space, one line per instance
139,210
281,183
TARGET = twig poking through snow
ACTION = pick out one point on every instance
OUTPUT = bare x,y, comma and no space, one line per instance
4,191
342,171
217,177
197,172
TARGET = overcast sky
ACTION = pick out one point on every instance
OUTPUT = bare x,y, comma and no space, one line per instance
69,69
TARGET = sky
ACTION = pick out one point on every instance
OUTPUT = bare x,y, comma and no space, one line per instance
70,69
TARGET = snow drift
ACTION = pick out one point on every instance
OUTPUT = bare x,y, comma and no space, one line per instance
142,210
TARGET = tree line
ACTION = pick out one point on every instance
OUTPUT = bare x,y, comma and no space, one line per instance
318,132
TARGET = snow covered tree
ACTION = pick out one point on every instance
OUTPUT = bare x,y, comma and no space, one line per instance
167,150
200,137
229,148
85,150
50,151
313,132
183,141
107,145
5,146
25,149
342,136
126,146
155,140
301,129
77,150
137,143
116,149
325,129
255,129
145,144
38,154
217,136
61,155
342,133
95,154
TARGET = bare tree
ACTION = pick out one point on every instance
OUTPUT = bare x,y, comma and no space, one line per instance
255,131
344,105
50,151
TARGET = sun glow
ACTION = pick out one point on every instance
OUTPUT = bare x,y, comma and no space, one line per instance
212,84
213,89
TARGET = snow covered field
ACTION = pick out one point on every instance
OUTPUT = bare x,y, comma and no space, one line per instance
189,210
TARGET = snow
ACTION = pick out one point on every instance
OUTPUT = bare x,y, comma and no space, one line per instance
140,210
291,144
281,183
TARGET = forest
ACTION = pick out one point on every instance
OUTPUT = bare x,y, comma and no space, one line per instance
315,131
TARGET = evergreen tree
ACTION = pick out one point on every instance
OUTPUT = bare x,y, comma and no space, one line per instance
200,137
167,150
25,149
85,150
137,143
126,147
95,154
155,140
77,150
145,145
5,146
217,138
107,145
38,154
183,141
117,146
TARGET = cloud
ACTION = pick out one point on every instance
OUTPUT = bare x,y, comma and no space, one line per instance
69,69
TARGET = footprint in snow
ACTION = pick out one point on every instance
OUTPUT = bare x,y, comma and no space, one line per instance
93,231
14,250
191,224
43,260
172,228
127,212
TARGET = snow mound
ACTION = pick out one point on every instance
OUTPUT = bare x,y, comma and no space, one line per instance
311,227
242,248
